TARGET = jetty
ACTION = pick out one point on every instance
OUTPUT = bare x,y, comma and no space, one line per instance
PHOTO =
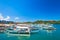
4,26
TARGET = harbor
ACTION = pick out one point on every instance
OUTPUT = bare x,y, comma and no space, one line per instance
41,35
28,30
29,19
25,28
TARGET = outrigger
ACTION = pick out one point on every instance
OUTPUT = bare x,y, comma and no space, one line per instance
18,30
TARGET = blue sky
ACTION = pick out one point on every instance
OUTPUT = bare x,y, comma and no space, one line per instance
30,10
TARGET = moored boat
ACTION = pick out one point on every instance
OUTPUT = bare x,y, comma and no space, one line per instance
47,27
22,29
18,30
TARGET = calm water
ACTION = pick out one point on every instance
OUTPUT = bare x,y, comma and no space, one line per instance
42,35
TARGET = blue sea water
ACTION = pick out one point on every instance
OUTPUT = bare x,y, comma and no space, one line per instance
42,35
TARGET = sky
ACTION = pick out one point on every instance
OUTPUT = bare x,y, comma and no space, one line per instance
29,10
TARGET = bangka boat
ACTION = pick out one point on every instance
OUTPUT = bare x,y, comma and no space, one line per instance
22,29
18,30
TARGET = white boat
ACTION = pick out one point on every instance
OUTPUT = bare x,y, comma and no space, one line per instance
22,29
47,27
18,30
34,29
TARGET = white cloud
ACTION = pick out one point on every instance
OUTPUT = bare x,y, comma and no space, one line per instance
7,18
16,18
2,18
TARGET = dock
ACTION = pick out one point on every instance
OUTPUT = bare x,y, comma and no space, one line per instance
3,27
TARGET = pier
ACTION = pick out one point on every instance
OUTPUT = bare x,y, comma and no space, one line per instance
4,26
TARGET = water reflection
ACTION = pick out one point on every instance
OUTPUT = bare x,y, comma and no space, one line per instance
49,31
23,38
18,37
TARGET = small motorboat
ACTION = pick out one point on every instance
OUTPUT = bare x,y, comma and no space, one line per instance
34,29
49,28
